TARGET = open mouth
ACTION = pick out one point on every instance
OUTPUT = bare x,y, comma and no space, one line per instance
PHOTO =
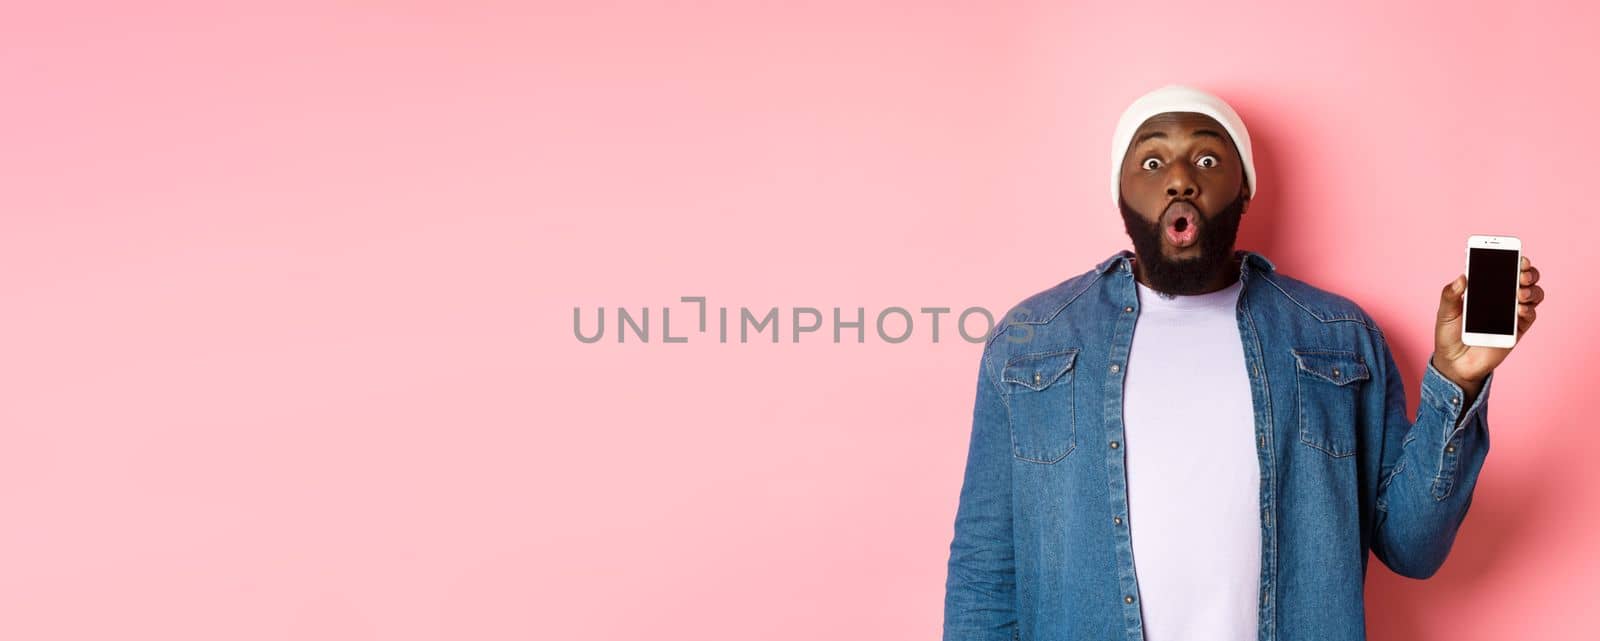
1181,224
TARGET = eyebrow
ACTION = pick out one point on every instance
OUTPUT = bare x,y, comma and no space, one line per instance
1148,135
1162,134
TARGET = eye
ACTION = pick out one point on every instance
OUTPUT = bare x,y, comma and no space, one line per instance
1207,161
1150,164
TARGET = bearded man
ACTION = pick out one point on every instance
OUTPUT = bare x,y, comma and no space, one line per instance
1185,444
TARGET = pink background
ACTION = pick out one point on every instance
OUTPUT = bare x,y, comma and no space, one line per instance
288,295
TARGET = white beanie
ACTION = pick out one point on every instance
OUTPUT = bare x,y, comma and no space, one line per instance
1184,99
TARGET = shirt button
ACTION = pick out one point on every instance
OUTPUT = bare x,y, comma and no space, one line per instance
1115,367
1449,448
1117,520
1335,372
1036,378
1127,309
1455,400
1127,599
1113,445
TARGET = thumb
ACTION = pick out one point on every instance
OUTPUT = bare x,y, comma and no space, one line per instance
1447,337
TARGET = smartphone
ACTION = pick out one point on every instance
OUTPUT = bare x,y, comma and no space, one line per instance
1494,271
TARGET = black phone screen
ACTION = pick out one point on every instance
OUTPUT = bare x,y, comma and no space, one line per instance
1492,290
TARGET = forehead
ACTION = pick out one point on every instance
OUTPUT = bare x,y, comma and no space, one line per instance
1177,125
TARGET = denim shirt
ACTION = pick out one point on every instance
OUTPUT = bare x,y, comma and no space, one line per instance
1041,548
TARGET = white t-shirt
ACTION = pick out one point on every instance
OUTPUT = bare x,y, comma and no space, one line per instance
1194,482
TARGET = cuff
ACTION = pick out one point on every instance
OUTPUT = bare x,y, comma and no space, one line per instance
1444,395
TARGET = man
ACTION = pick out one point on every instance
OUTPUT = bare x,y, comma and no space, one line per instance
1184,444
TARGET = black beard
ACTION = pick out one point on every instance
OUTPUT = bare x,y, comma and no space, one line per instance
1187,276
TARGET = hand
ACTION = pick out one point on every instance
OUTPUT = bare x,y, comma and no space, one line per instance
1468,366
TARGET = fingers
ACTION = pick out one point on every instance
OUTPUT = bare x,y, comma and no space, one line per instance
1530,295
1526,314
1530,274
1447,332
1453,289
1450,299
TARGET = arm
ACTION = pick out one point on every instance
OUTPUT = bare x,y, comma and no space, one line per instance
980,588
1429,469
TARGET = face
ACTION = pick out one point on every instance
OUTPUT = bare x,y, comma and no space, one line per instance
1182,194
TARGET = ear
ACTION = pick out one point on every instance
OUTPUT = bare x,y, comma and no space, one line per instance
1244,192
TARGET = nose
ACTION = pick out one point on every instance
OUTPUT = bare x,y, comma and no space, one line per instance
1180,182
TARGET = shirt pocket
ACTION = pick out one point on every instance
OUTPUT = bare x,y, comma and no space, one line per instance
1328,386
1039,402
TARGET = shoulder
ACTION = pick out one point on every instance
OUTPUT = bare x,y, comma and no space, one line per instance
1041,320
1045,306
1318,304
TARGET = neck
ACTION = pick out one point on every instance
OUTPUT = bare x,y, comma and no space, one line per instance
1227,275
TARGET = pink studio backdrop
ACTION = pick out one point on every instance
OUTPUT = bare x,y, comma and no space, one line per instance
288,293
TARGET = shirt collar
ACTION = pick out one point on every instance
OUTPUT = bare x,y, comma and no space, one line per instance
1120,260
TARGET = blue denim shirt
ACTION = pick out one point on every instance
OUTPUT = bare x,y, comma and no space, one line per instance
1041,547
